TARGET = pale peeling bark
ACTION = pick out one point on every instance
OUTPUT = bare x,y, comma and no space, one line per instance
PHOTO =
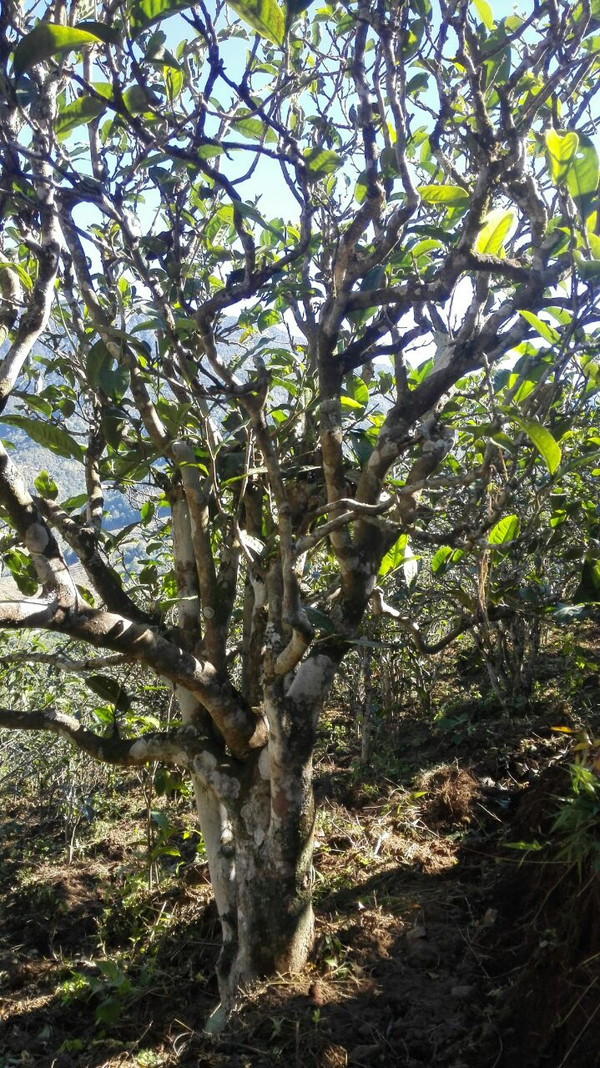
177,747
215,826
267,913
292,611
275,917
273,831
48,560
214,641
186,573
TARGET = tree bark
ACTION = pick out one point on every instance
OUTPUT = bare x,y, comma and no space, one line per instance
263,892
270,930
275,920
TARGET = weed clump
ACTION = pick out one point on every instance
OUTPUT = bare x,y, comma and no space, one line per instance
449,794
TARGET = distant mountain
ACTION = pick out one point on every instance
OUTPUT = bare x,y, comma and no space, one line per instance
31,458
121,511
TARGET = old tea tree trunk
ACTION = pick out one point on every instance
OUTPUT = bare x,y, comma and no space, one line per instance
270,376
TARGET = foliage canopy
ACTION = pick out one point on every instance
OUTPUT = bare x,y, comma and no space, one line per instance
315,286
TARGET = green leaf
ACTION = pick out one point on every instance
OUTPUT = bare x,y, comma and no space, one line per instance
80,112
499,62
250,212
485,13
113,971
422,248
410,565
114,423
319,620
360,190
110,690
52,437
146,12
209,150
109,1011
138,100
321,161
506,530
588,589
359,389
97,359
362,446
73,503
147,512
174,81
401,554
114,383
374,279
444,558
394,557
524,846
560,151
22,570
443,194
254,129
86,595
46,40
419,374
46,486
7,265
593,241
497,225
265,16
296,7
584,174
417,84
546,445
105,33
589,270
544,329
440,558
165,851
580,11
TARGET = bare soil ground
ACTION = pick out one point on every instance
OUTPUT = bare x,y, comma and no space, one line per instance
456,925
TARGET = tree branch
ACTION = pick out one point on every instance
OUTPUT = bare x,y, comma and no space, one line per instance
183,747
48,560
84,541
241,728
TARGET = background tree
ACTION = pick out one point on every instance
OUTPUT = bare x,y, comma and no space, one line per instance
266,251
